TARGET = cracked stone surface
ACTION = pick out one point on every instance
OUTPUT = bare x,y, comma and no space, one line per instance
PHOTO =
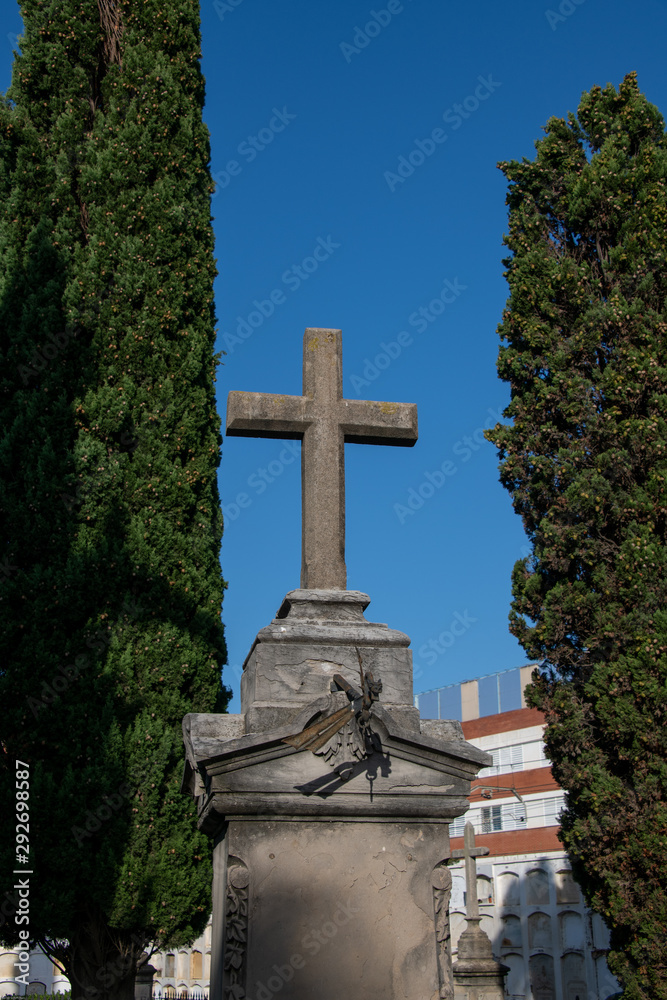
361,925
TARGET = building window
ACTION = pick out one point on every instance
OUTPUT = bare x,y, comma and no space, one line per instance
505,759
514,816
552,809
458,826
491,819
170,967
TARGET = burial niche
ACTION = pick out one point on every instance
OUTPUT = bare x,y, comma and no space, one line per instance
539,931
541,968
537,887
511,932
508,889
571,931
567,890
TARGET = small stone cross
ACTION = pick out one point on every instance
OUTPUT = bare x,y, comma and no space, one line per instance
323,421
471,853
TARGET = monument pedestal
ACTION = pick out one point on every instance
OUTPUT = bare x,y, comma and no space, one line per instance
477,975
329,866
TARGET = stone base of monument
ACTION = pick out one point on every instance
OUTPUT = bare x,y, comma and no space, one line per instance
477,976
143,980
330,876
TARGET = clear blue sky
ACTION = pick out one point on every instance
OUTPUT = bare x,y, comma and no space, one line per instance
316,111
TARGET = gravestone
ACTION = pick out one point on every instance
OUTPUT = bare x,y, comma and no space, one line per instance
477,976
327,799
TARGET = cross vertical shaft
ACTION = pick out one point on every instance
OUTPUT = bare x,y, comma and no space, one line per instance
323,465
470,853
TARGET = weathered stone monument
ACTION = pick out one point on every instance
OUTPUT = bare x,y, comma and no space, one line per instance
328,802
477,976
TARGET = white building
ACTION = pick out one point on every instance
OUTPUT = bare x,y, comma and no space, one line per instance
531,907
184,972
44,976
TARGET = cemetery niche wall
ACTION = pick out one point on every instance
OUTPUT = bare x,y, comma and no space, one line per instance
328,801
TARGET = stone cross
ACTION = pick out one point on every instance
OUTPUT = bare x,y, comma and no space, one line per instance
471,853
323,421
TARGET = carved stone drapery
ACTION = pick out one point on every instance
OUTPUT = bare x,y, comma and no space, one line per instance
442,890
236,929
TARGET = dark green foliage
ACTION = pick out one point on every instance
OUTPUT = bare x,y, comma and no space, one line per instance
110,587
585,459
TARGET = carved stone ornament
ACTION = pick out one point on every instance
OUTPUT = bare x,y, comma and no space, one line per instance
442,890
347,746
236,929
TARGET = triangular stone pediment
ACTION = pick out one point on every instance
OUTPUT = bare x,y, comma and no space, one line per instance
406,773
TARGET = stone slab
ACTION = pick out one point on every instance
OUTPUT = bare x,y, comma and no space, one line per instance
332,911
442,729
328,617
289,676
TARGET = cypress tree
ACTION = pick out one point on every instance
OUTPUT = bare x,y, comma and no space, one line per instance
110,584
584,348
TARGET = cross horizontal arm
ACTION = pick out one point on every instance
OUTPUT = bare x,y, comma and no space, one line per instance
264,414
368,422
474,852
